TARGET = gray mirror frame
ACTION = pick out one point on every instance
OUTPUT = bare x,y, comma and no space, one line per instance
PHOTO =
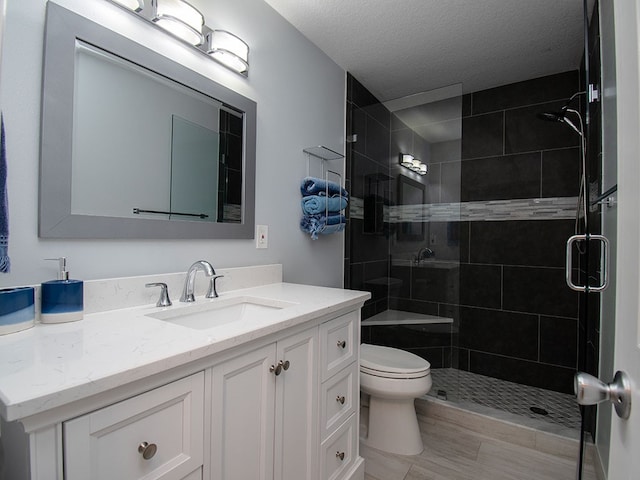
63,27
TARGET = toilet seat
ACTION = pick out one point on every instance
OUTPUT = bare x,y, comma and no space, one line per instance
391,363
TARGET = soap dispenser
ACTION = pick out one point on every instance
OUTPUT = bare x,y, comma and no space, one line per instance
62,299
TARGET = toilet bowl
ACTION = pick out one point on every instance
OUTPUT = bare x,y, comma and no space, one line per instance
393,379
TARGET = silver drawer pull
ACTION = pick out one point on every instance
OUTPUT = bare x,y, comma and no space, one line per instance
285,364
340,455
340,399
342,343
148,450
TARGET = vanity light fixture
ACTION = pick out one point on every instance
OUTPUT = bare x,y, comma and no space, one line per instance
134,5
415,165
179,18
229,50
185,22
406,160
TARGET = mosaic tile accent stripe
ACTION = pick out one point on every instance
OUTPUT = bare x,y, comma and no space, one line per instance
558,208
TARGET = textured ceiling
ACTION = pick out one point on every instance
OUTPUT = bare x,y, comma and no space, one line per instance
402,47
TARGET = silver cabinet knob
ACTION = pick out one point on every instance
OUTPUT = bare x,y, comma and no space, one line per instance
340,455
282,365
147,450
340,399
590,390
342,343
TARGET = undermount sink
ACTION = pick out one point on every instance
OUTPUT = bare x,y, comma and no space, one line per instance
214,313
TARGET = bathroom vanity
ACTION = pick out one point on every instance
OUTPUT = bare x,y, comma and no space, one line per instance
260,383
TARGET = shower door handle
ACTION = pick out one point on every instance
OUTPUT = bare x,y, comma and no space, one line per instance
604,265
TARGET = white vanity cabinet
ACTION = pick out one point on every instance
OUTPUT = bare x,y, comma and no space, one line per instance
156,435
264,412
277,406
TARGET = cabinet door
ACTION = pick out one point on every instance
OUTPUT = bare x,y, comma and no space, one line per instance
110,443
296,415
243,393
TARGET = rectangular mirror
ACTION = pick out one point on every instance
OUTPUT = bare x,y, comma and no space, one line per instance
134,145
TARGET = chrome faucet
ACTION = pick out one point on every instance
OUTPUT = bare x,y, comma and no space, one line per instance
424,252
190,281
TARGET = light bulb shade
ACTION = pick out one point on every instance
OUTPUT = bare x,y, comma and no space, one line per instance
229,50
406,160
423,169
179,18
416,165
134,5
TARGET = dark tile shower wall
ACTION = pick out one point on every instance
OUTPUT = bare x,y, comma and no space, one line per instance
515,318
367,159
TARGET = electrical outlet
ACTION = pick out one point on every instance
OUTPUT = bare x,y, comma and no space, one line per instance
262,236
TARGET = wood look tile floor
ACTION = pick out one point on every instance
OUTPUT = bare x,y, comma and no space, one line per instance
455,453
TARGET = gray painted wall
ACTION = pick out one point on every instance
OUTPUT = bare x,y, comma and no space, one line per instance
300,94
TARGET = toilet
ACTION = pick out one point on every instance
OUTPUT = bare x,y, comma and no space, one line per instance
393,379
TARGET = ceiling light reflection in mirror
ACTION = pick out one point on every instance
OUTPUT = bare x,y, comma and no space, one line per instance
410,162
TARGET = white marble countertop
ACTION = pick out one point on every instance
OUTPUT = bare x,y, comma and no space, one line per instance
50,365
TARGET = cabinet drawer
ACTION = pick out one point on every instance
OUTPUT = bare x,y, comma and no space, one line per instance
108,443
339,399
339,451
339,341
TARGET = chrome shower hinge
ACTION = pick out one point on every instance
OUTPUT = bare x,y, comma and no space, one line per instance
594,93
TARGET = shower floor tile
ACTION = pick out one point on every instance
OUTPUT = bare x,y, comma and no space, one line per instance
472,389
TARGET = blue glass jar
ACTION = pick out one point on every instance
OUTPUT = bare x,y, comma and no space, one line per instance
17,310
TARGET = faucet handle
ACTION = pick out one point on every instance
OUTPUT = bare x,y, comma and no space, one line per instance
212,292
164,300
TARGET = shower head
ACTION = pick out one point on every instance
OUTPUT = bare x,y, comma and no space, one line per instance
552,116
560,116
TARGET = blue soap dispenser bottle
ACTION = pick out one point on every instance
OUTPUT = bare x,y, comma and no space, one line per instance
62,300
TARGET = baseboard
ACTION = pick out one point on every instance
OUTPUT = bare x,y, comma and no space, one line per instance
357,470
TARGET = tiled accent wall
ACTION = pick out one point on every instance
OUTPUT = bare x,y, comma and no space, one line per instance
520,209
502,280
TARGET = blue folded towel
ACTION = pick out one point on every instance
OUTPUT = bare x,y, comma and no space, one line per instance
322,225
318,186
5,264
315,204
